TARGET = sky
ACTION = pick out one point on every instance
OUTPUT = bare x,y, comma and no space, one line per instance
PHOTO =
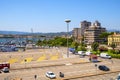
49,15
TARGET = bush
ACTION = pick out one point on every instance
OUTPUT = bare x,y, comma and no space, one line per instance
115,55
81,48
103,48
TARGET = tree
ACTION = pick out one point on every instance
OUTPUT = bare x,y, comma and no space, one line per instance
57,41
105,35
113,46
95,46
39,43
81,48
74,45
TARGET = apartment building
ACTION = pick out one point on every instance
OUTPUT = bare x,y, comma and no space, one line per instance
84,25
77,34
92,34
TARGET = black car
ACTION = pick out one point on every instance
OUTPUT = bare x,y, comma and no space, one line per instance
103,68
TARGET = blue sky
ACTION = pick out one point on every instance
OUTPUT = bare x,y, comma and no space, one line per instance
49,15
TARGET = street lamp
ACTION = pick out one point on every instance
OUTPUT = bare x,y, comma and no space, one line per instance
67,21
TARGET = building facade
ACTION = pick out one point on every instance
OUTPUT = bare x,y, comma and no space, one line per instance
76,34
84,25
92,34
114,39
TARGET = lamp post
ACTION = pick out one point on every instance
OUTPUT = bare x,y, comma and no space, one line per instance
67,21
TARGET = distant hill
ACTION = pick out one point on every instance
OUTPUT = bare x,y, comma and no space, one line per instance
113,30
13,32
28,33
53,34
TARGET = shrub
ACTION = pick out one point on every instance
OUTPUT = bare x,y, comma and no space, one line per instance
103,48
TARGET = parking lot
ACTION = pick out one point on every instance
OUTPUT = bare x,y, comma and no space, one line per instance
74,67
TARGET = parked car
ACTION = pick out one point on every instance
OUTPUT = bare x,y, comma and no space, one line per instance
88,53
105,55
81,53
5,69
50,74
103,68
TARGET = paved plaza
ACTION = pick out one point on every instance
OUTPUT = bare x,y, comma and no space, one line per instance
39,61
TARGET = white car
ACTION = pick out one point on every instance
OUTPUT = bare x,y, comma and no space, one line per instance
81,52
105,55
5,69
88,53
50,74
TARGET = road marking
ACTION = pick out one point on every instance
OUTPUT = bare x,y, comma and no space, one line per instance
27,60
41,58
11,61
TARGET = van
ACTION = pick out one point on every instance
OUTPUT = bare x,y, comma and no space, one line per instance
105,55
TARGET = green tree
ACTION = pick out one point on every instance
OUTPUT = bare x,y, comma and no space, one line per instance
57,41
74,45
95,46
81,48
113,46
105,35
39,43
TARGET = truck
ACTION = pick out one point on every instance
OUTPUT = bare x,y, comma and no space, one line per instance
5,66
105,55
